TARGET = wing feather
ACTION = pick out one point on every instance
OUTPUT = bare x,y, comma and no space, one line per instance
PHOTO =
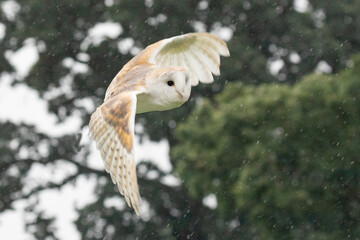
198,52
211,52
113,158
112,124
201,69
102,132
105,153
125,183
193,69
112,128
106,150
216,43
127,174
120,172
207,57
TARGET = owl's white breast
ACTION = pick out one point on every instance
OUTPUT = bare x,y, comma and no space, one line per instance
147,103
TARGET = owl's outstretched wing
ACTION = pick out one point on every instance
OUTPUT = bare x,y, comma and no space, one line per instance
198,52
112,128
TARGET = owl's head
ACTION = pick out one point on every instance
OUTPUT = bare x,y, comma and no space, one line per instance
168,87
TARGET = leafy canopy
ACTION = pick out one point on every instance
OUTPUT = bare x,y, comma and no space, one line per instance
281,159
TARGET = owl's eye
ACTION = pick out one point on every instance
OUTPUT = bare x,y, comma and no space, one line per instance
170,83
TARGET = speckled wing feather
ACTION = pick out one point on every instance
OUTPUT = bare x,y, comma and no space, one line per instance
112,128
112,124
198,52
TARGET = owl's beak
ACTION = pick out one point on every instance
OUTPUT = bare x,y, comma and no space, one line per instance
183,88
182,85
180,95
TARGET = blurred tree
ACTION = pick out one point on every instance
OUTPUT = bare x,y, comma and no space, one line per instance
282,161
259,33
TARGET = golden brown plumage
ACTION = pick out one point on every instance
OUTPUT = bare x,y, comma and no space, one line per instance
158,78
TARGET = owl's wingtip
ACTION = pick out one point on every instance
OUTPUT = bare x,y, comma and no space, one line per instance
137,211
226,53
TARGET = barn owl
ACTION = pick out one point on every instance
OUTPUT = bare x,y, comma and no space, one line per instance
159,78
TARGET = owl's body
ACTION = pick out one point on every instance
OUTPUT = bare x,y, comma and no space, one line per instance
159,78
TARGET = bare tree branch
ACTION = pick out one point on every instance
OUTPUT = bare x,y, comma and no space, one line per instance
81,170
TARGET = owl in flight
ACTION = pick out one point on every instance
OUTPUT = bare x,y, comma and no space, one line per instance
159,78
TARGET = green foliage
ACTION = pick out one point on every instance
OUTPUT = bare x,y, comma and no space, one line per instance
282,159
